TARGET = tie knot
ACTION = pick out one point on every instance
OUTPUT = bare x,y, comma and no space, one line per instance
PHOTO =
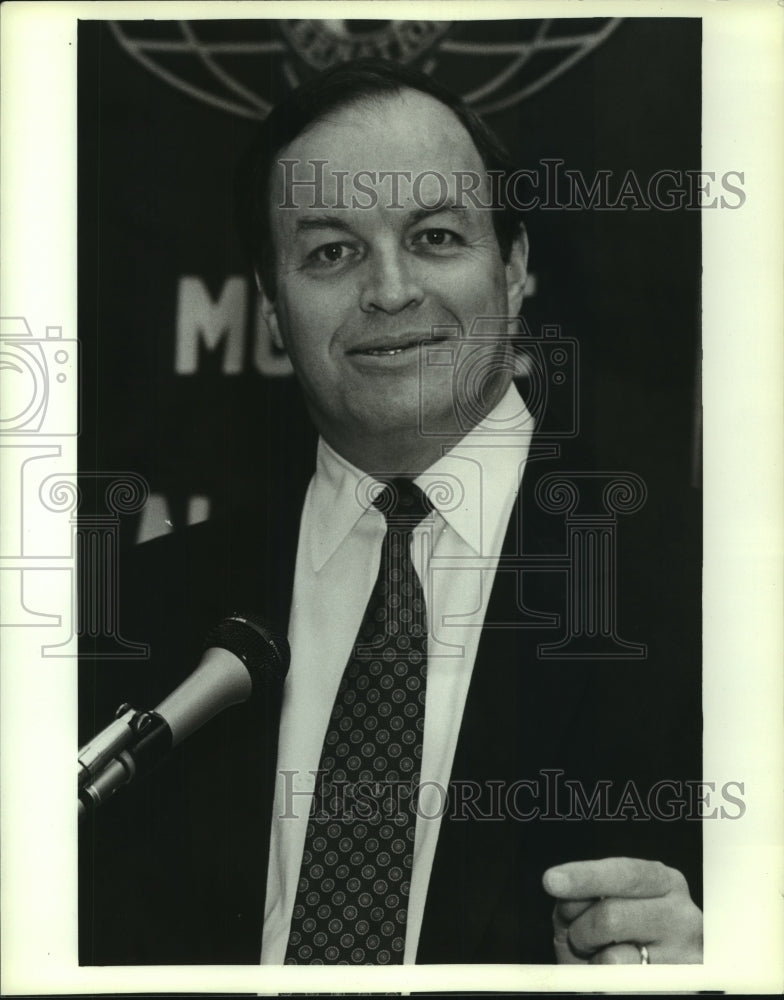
402,503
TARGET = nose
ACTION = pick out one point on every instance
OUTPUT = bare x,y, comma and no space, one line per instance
391,283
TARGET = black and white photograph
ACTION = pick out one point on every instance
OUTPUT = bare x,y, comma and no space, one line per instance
394,517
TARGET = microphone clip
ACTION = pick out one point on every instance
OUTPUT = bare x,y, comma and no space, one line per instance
133,742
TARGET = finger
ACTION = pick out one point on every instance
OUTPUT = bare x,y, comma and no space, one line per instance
625,877
617,921
564,952
618,954
564,955
567,910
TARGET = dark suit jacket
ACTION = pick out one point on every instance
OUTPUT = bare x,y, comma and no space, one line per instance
173,870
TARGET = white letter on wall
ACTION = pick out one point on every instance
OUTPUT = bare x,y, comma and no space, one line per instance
200,319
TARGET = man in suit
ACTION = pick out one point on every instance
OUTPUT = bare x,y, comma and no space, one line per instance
367,199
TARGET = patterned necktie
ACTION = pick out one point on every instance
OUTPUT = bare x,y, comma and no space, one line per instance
352,896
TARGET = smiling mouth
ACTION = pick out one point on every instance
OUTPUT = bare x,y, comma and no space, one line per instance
387,352
384,351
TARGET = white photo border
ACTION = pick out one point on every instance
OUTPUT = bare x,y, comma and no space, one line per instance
743,260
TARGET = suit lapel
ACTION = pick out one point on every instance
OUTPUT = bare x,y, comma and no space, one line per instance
517,714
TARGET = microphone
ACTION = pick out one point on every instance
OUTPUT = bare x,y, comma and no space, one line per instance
243,658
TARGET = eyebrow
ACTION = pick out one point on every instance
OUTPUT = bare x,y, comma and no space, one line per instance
312,222
306,223
427,212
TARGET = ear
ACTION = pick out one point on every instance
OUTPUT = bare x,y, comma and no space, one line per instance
269,314
517,272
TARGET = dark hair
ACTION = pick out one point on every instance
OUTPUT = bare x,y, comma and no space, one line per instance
338,87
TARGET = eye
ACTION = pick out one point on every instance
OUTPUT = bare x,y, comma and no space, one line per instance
437,238
332,253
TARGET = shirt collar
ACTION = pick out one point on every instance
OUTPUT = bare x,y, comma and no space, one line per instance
337,502
472,486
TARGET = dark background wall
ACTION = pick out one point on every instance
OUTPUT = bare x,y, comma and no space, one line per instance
157,250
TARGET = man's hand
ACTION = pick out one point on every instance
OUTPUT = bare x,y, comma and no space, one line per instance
607,908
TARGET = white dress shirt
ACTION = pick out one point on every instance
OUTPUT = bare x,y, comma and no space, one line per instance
455,552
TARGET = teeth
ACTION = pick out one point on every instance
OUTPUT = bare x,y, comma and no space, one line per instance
388,352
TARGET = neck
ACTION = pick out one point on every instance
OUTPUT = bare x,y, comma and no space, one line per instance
395,456
406,450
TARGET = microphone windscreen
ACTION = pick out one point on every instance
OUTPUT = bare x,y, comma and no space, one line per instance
265,653
244,658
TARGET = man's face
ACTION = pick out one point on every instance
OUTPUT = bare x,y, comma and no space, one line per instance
359,289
